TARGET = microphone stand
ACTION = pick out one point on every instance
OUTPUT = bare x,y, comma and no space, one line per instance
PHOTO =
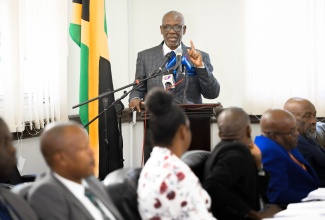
105,104
185,101
116,103
135,85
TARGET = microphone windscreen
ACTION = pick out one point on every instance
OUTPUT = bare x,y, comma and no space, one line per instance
171,63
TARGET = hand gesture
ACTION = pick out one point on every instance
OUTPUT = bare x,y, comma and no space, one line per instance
195,56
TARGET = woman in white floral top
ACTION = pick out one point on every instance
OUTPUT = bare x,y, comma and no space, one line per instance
167,188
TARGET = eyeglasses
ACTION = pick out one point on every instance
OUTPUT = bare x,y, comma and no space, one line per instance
176,28
292,132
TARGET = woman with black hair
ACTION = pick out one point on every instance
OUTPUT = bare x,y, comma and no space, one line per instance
167,188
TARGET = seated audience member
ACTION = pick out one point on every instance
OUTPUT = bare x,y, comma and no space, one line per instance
291,176
305,114
69,190
231,172
320,134
11,205
167,188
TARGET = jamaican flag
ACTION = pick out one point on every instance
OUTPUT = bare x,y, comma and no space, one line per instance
88,29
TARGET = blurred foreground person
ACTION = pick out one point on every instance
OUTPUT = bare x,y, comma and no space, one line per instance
12,206
69,190
167,188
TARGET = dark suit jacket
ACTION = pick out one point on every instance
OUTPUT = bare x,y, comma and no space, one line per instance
289,183
202,83
50,199
231,180
21,207
314,154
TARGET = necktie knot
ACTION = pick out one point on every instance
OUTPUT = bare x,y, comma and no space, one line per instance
90,195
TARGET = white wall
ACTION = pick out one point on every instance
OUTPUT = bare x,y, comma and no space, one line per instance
215,26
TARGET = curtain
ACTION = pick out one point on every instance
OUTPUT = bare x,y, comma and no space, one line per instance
33,62
285,46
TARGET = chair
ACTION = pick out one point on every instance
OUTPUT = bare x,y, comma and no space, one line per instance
6,185
22,189
196,159
121,186
320,133
16,178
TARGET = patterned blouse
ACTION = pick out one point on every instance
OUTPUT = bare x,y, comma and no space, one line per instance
168,189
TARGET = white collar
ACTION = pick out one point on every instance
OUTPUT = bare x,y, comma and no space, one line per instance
166,49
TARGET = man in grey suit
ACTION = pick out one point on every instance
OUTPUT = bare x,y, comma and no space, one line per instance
63,192
12,206
199,80
187,88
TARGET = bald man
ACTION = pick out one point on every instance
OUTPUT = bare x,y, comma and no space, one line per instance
199,81
231,172
308,144
61,193
11,206
292,178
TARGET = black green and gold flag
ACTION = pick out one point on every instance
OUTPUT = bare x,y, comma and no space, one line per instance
88,29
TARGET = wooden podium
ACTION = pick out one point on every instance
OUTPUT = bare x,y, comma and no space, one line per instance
200,122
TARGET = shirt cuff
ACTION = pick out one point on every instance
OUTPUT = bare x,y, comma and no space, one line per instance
135,98
203,66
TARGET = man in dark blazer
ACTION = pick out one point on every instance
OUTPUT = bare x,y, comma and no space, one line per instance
12,206
291,176
308,144
188,88
199,81
233,174
61,193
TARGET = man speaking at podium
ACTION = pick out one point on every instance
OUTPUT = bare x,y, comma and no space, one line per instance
185,88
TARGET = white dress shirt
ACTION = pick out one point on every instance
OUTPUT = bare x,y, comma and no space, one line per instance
78,190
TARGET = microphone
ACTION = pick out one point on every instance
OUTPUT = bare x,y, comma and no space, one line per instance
171,63
188,67
168,81
178,65
186,63
168,56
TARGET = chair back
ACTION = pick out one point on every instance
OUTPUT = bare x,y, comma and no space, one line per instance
196,159
320,133
22,189
121,186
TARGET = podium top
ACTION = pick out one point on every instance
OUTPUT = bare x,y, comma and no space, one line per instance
196,110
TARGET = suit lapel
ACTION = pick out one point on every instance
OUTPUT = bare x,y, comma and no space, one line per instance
158,56
101,194
75,203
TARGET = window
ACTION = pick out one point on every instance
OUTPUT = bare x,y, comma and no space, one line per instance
286,53
33,62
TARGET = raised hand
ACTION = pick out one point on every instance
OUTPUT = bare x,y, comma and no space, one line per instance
195,56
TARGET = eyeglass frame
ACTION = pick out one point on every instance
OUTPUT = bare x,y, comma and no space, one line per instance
172,27
292,132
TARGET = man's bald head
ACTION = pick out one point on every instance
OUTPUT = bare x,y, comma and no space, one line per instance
296,104
280,126
175,15
305,113
57,137
234,124
65,147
